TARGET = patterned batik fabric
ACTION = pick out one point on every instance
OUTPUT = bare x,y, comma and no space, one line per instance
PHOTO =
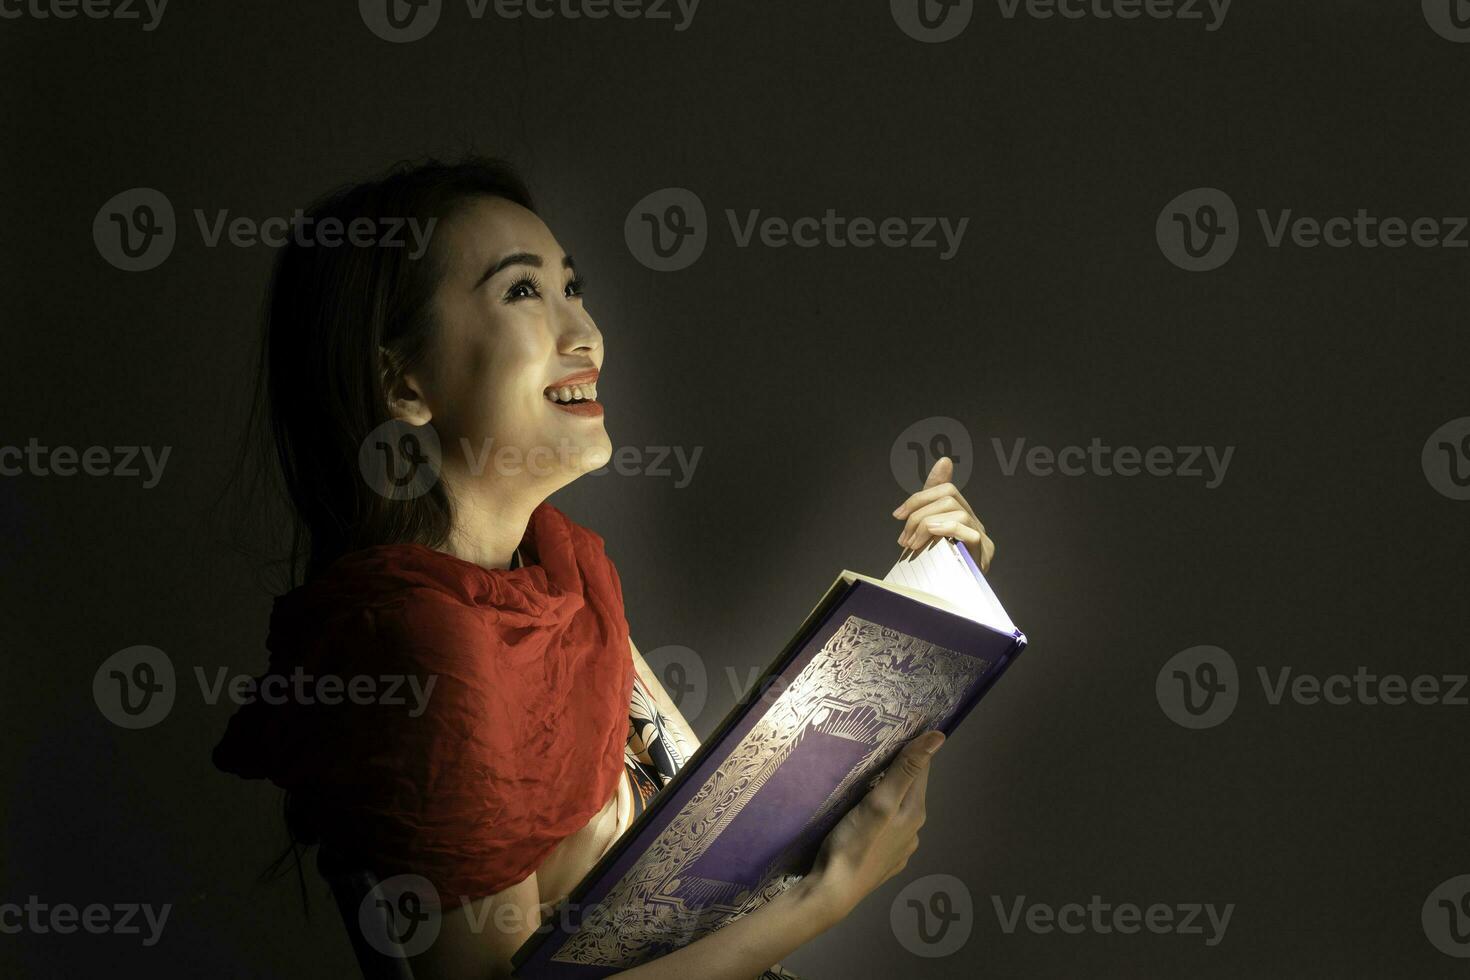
653,754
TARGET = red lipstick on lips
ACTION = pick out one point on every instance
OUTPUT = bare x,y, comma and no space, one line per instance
584,408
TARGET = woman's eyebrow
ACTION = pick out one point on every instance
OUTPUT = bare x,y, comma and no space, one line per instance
519,258
515,258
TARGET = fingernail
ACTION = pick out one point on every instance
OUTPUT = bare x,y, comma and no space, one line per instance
935,740
938,525
898,511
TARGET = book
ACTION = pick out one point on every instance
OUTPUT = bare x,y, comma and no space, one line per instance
875,664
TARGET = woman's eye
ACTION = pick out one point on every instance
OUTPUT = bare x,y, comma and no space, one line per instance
523,288
576,287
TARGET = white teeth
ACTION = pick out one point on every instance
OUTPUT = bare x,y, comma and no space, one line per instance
568,393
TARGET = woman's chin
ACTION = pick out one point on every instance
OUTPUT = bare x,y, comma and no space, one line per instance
596,454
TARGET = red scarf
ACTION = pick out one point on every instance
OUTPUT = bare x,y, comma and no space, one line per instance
522,739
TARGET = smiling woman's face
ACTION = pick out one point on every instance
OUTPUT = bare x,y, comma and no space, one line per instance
510,326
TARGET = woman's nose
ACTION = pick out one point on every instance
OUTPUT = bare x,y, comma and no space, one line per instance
576,331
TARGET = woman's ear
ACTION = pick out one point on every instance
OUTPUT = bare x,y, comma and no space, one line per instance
405,398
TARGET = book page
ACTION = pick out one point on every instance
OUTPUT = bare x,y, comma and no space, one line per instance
945,569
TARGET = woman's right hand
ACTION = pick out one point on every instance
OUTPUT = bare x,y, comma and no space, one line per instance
873,842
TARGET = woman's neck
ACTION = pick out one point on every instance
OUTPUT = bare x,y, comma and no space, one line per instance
487,533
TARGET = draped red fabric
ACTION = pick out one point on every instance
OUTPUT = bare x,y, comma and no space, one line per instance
518,743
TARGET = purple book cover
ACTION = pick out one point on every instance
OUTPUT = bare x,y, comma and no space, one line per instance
869,670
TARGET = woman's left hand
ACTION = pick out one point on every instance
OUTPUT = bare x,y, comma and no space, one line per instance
941,511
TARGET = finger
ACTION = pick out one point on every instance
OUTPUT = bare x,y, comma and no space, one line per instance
954,526
913,805
945,511
940,472
906,767
930,494
980,545
938,506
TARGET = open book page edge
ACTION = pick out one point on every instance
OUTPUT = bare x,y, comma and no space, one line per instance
991,614
919,594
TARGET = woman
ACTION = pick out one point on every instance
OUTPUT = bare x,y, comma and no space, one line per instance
541,733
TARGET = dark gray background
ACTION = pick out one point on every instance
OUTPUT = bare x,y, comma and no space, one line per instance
1326,548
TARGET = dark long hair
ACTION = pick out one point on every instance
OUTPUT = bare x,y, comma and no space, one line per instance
334,316
343,324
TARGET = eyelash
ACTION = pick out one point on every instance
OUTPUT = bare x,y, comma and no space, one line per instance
575,286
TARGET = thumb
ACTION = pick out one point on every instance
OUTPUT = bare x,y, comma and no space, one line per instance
906,767
942,471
